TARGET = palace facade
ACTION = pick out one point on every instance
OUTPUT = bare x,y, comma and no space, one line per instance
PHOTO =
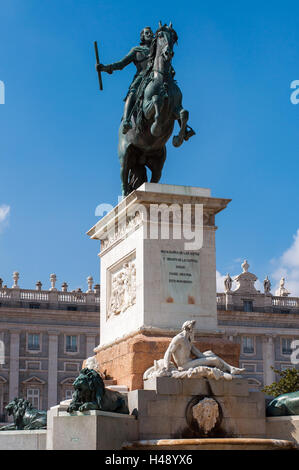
45,335
265,325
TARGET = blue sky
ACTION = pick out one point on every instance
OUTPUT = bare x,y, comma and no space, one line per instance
234,63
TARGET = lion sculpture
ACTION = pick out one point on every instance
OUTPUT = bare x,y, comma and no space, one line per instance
91,394
25,416
286,404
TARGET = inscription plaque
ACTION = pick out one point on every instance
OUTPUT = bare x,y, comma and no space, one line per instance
180,276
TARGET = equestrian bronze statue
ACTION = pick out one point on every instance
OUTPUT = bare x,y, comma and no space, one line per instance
152,105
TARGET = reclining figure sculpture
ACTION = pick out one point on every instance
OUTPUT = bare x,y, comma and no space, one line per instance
180,349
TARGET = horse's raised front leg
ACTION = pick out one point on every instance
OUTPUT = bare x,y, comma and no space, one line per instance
182,120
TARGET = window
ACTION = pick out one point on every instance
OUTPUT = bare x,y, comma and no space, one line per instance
33,342
33,397
248,345
71,344
249,367
286,366
286,349
33,365
247,306
34,305
69,394
71,367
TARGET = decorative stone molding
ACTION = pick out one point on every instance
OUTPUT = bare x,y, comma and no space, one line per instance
122,289
206,413
246,281
38,285
89,283
92,363
53,279
15,277
123,229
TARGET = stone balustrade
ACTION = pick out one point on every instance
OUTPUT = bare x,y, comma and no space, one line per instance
231,301
53,295
288,302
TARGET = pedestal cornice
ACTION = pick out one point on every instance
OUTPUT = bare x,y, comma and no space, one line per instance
124,211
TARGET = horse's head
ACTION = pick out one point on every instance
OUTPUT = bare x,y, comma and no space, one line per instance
164,41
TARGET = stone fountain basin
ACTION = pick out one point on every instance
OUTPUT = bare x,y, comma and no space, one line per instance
211,444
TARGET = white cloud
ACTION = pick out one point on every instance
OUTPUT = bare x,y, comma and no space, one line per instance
219,282
287,266
4,213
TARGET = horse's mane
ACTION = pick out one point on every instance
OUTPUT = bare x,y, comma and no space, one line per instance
153,47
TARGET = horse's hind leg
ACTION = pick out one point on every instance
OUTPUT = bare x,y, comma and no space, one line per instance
182,120
124,171
156,163
124,175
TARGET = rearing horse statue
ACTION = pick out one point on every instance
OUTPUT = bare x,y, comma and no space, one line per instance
158,104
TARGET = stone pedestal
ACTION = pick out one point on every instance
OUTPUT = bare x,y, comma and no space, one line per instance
23,440
158,261
91,430
158,270
283,427
163,407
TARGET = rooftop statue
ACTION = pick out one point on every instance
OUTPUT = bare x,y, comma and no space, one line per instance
181,349
267,285
228,282
282,291
152,105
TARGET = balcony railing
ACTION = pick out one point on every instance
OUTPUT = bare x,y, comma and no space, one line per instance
9,295
285,302
276,304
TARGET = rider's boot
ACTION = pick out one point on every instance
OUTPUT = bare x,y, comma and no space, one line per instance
127,114
126,126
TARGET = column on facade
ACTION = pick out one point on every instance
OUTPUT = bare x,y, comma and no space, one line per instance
52,368
268,359
90,344
14,355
